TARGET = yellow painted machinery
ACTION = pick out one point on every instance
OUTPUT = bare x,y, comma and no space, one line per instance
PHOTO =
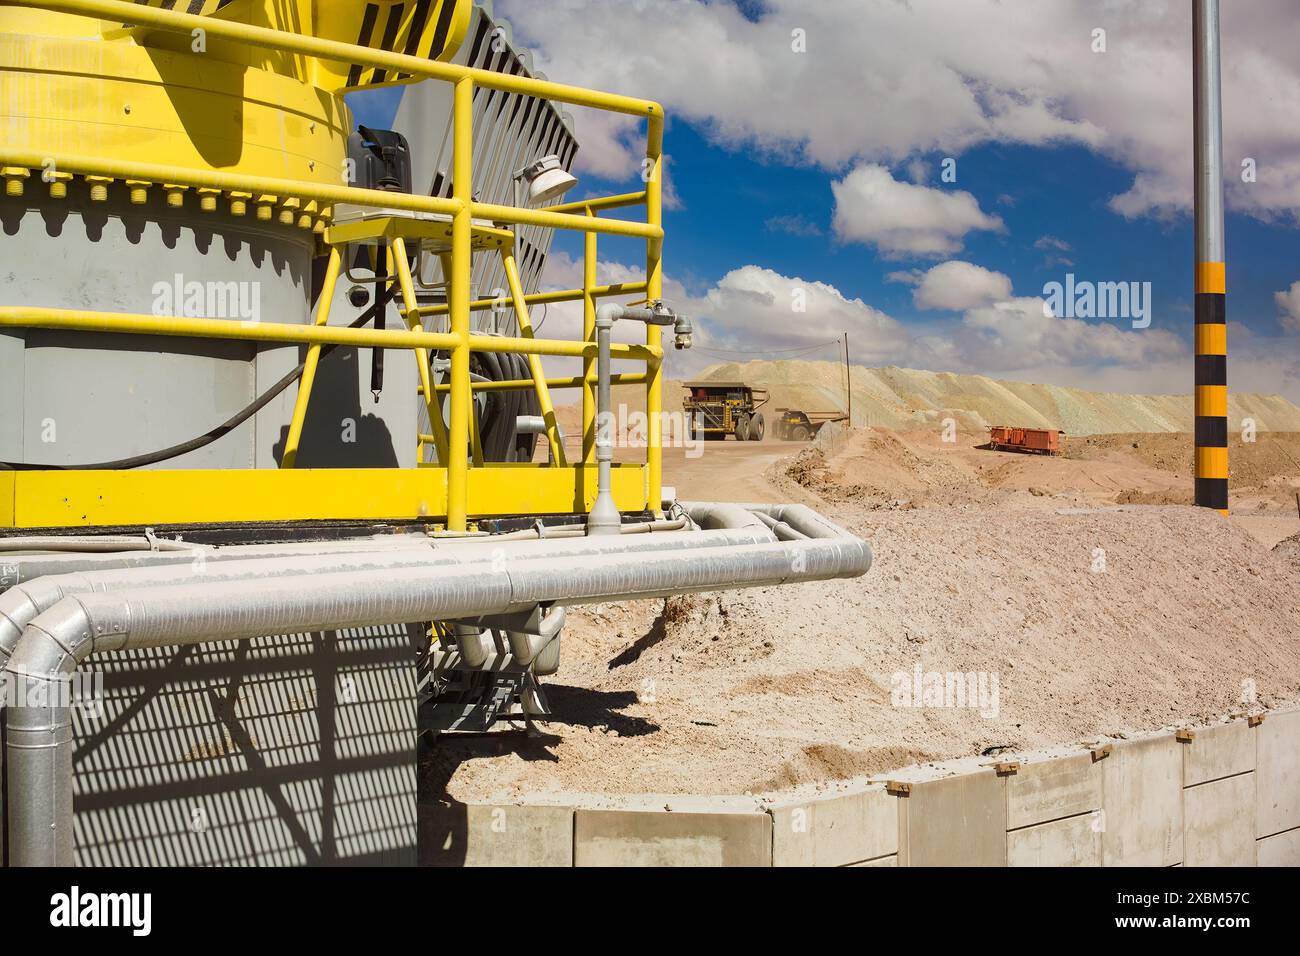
247,522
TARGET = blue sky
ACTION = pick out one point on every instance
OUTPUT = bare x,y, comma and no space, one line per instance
1067,160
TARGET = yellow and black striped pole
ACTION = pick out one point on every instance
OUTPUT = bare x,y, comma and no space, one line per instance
1211,284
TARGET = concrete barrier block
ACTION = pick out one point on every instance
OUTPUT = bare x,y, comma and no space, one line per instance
1052,789
1280,850
1219,822
836,830
1277,770
480,835
954,821
1217,752
1142,791
1074,841
662,838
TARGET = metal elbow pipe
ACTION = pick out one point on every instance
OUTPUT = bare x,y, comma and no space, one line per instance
469,641
713,515
38,737
526,645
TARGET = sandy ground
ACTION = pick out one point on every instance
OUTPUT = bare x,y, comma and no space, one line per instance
1078,608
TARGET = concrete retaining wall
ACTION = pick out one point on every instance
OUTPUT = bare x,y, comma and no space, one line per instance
1225,795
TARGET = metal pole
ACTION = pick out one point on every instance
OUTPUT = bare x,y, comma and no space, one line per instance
848,381
458,307
1211,320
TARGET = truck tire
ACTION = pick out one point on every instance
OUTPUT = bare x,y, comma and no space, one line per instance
756,428
742,428
800,433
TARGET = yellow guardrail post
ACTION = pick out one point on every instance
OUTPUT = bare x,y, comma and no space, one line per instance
589,335
411,316
654,277
534,361
290,457
458,299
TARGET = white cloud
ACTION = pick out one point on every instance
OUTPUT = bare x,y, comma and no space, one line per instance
757,309
750,313
957,286
1019,333
883,81
1288,306
900,218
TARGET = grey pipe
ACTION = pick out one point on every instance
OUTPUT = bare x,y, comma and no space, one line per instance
526,645
1207,131
39,744
604,517
782,530
20,568
23,602
77,543
469,641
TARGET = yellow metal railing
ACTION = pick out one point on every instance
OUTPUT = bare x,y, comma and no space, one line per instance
458,342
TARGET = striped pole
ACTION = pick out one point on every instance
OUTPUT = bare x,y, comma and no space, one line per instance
1211,286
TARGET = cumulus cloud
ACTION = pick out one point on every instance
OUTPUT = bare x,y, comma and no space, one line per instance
901,218
938,76
1288,307
752,308
957,286
757,312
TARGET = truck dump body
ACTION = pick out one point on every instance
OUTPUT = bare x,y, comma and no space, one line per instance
1043,441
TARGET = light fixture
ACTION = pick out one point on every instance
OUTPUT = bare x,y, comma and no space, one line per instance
546,180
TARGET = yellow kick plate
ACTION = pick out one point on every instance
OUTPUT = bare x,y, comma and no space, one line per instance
58,499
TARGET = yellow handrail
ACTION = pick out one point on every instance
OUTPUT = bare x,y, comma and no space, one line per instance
459,342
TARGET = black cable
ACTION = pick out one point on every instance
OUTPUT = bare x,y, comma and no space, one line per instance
175,451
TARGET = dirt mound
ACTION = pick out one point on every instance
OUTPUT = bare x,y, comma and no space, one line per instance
1289,550
1079,621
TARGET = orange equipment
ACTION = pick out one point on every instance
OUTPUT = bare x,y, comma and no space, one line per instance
1041,441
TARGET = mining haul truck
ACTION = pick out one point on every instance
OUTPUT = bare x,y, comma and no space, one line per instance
793,424
268,502
718,409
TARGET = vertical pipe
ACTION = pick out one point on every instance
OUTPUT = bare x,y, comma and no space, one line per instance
534,361
654,290
1211,286
588,335
604,517
308,379
458,303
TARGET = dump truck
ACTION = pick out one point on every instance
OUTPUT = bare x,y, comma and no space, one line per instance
293,511
718,409
1036,441
793,424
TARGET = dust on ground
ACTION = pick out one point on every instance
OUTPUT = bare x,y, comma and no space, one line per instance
1082,614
